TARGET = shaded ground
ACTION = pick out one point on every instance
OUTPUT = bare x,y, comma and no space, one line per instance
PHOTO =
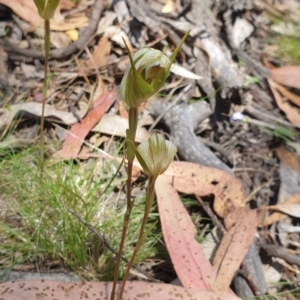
226,64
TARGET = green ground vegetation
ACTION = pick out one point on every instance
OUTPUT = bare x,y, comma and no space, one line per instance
36,225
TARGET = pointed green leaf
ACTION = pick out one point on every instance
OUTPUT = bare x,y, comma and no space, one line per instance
174,54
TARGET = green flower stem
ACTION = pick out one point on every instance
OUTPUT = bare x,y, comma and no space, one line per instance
132,119
123,238
47,50
149,203
145,75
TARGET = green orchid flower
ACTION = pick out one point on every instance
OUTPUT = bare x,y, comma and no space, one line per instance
147,72
155,155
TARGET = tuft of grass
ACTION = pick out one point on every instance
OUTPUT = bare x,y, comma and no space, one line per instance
286,38
36,225
288,49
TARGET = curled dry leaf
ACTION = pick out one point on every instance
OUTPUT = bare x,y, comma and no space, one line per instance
292,113
290,209
285,205
49,290
192,178
241,225
288,158
289,95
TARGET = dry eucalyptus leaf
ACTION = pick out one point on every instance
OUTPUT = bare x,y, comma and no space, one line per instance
288,158
289,95
287,75
50,290
69,23
277,216
192,178
100,56
234,246
290,209
292,113
192,267
80,130
116,125
7,114
27,10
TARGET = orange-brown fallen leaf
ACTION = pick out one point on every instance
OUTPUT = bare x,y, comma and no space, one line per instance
79,131
288,158
191,178
287,75
27,10
292,113
241,224
50,290
100,56
292,209
289,95
189,261
277,216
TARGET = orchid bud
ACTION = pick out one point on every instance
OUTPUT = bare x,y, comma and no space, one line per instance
155,155
46,8
147,72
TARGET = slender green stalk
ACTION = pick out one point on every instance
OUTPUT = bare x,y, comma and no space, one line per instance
149,202
133,118
123,238
47,50
145,75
